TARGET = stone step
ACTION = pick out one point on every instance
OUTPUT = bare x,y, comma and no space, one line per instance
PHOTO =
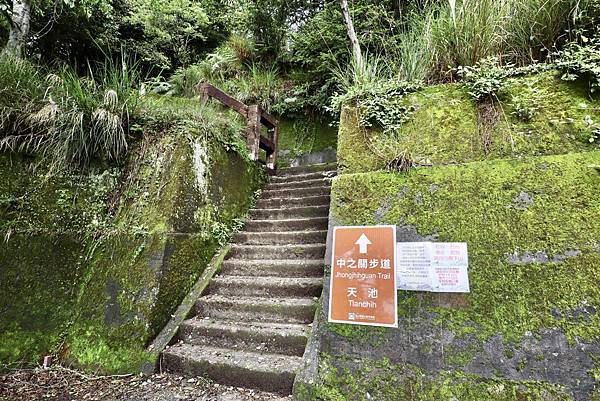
295,192
277,310
314,223
278,268
303,177
291,171
318,200
280,238
287,339
298,184
290,212
295,251
268,372
247,286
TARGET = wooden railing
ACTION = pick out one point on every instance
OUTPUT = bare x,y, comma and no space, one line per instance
255,118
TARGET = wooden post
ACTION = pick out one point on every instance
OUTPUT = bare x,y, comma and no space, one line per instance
255,118
272,155
253,131
204,93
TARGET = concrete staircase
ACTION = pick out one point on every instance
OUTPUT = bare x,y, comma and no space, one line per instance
251,329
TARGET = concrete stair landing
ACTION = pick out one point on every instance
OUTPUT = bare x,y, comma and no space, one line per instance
251,329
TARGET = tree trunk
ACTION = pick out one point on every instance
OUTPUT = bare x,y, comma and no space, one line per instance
352,34
19,27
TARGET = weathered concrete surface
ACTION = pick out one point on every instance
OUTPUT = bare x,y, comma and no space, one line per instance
423,341
541,299
324,156
272,372
529,329
107,255
251,328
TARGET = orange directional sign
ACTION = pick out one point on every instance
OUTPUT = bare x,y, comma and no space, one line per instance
363,276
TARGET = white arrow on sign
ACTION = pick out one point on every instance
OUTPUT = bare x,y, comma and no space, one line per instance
362,243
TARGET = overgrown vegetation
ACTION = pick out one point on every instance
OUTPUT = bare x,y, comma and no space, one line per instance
293,58
580,59
67,119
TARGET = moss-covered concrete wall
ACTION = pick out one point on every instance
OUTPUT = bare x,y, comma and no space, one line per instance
92,266
447,126
526,204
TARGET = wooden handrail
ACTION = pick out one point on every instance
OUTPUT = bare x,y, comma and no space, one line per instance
255,117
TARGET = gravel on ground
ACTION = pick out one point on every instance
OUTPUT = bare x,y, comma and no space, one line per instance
63,384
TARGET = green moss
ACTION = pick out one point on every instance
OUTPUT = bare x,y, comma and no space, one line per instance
37,293
66,204
478,203
595,373
364,335
379,380
305,136
447,126
353,152
459,358
232,184
93,347
188,258
95,286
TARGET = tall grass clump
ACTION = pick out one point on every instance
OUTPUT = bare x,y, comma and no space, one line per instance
20,81
258,85
353,78
376,90
536,27
464,32
414,51
73,120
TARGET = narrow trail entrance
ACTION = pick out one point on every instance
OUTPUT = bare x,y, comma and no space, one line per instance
251,329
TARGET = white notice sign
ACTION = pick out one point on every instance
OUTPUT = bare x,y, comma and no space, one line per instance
432,266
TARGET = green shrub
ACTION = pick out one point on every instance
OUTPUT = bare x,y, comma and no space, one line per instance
186,81
581,59
486,78
526,105
379,95
216,68
174,32
594,129
243,48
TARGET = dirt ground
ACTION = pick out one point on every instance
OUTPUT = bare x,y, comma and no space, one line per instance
63,384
